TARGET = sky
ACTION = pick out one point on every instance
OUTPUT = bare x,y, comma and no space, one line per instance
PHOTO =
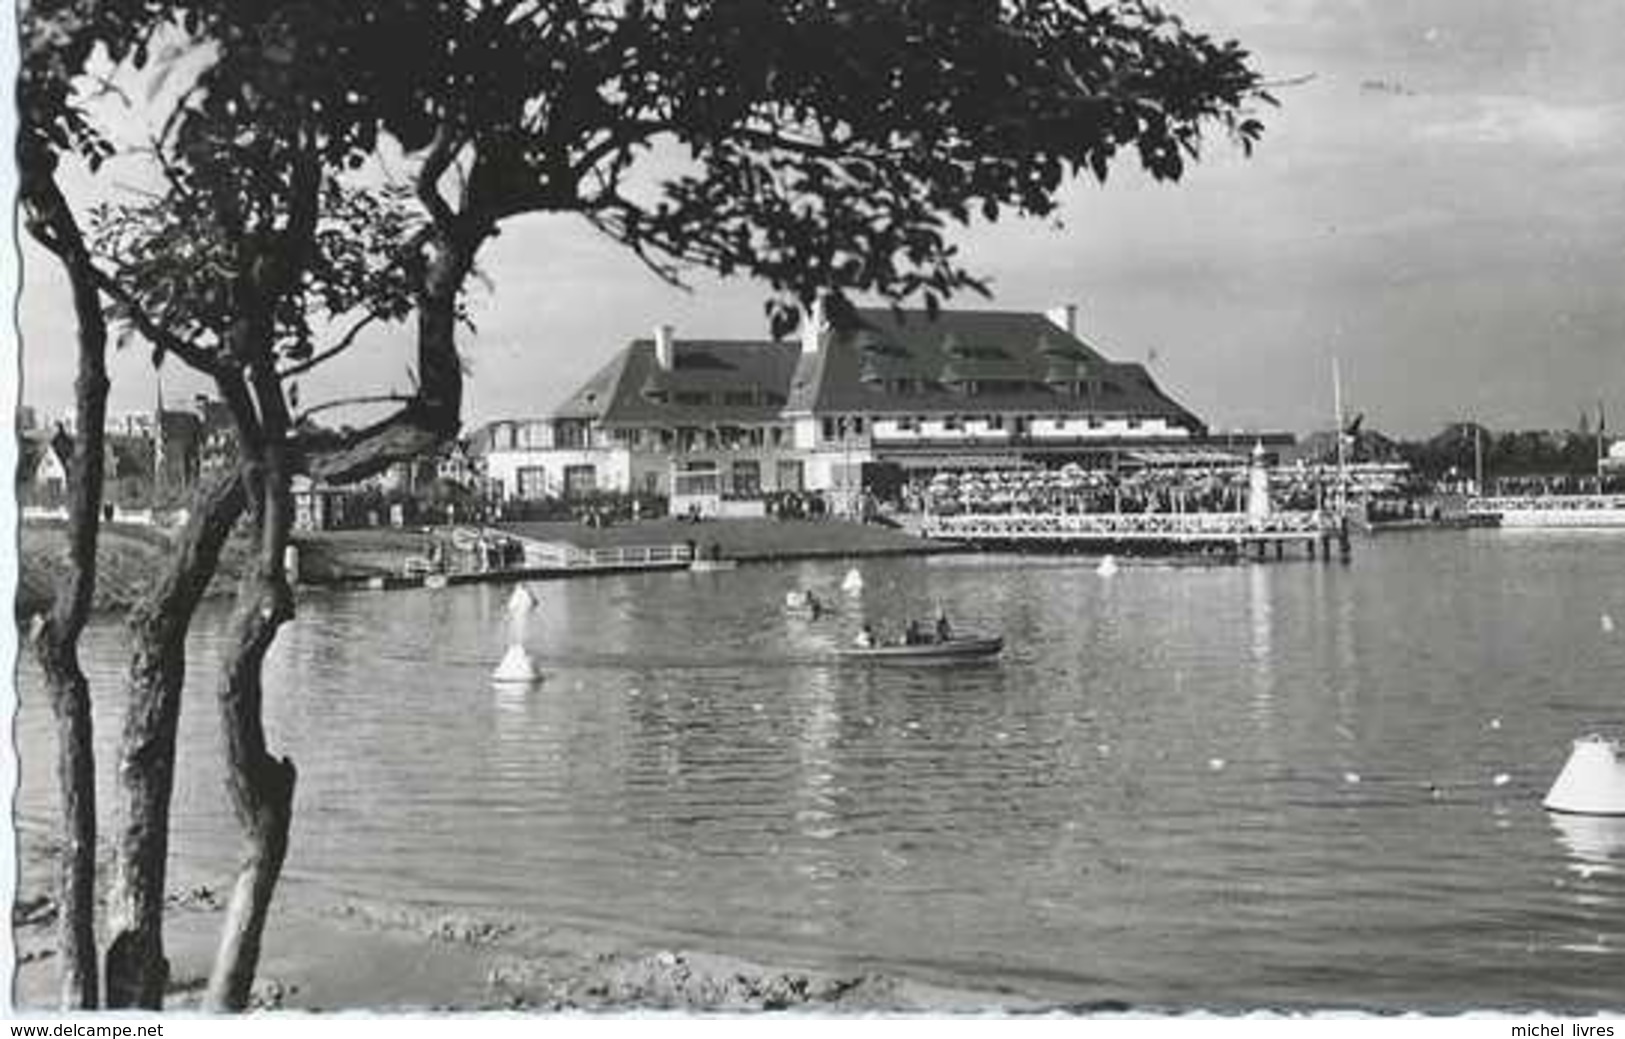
1437,210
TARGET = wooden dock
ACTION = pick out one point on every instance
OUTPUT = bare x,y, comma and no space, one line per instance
542,561
1141,533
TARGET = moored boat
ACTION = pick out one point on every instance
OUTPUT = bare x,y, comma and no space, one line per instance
972,647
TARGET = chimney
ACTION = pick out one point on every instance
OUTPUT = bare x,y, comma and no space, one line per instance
664,354
1064,317
813,326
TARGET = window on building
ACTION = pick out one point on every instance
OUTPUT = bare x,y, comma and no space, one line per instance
791,477
651,482
692,399
580,480
739,398
757,436
778,435
570,434
532,482
747,479
829,429
857,426
696,478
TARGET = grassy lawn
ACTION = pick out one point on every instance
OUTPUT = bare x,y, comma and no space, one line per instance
128,558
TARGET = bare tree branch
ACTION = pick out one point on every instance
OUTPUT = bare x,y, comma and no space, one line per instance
345,402
345,342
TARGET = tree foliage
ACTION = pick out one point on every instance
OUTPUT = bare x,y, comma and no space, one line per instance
824,147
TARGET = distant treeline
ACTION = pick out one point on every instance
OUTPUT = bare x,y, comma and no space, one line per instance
1535,452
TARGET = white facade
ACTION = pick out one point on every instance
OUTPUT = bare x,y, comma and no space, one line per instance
644,464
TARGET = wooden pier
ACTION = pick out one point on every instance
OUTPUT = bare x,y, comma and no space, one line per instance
541,561
1232,534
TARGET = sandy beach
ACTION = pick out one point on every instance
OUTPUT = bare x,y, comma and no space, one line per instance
391,958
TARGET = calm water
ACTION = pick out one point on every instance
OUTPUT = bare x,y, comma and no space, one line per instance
1284,784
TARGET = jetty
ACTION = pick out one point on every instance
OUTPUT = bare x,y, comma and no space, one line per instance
1233,534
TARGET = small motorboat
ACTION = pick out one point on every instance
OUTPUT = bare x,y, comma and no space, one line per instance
969,647
804,605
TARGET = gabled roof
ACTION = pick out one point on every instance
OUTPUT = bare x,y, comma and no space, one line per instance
633,388
1018,360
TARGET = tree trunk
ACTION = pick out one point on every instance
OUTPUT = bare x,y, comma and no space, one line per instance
76,779
137,970
53,223
261,786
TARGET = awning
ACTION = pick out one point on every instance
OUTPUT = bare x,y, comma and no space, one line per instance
1183,456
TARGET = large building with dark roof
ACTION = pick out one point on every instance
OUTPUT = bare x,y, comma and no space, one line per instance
896,390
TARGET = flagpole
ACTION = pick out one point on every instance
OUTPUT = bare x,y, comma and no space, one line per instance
1337,405
1602,426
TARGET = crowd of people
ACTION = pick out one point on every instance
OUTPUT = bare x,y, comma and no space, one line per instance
915,634
1073,489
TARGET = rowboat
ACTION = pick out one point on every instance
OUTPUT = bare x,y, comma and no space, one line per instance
975,647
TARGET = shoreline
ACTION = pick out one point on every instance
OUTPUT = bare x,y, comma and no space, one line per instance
377,560
354,955
373,558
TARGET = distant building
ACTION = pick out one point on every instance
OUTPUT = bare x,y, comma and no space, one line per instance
42,479
884,395
1614,461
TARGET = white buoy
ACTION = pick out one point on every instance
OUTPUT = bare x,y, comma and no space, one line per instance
1592,781
853,584
516,664
1107,567
1607,624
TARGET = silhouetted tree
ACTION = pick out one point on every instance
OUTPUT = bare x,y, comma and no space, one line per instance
822,147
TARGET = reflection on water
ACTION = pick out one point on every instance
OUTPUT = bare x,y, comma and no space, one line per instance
1258,602
1595,843
1149,797
1595,847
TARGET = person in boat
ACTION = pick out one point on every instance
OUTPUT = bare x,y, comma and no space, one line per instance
866,637
804,601
945,631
